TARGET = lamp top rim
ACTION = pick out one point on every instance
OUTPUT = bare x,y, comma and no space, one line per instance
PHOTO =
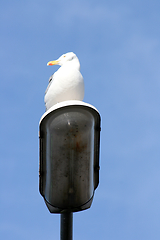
67,104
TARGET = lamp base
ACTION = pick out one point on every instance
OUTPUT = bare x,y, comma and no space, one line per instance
54,209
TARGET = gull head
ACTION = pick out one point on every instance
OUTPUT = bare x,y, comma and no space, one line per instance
67,57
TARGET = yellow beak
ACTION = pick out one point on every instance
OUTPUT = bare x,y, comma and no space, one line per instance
52,63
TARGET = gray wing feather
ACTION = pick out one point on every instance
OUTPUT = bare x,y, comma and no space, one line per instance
50,81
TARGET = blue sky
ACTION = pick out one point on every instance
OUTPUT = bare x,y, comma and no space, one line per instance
118,45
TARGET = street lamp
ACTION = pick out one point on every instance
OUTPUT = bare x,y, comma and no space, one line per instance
69,159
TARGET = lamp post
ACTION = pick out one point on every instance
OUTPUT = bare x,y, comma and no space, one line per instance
69,159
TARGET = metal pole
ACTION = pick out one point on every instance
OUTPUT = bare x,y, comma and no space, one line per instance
66,226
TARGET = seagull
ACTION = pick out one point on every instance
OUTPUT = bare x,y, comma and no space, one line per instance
66,83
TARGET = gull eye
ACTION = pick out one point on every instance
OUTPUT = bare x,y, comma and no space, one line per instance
64,56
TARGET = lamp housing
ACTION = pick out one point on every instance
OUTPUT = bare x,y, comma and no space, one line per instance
69,140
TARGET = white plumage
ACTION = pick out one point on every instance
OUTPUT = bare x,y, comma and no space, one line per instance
66,83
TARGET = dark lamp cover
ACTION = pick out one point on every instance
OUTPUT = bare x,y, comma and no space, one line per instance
69,156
